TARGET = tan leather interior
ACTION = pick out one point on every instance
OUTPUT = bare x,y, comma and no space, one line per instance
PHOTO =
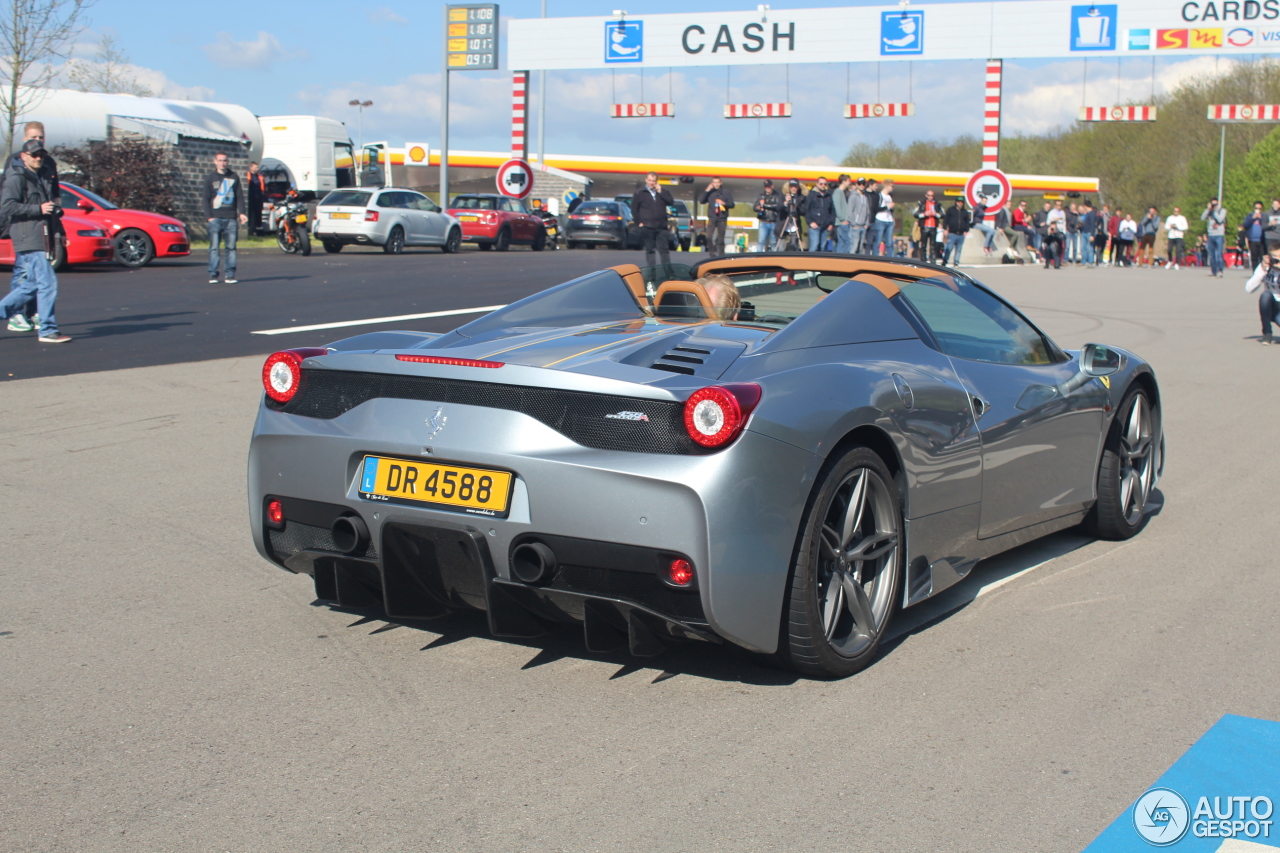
635,282
887,287
674,286
879,274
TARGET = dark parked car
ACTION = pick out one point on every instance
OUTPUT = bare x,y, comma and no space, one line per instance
598,222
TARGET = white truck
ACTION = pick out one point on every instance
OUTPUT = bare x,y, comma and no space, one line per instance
317,154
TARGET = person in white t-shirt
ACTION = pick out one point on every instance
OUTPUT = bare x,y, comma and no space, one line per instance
882,233
1175,229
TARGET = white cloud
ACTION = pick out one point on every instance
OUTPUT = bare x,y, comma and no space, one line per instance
258,54
385,15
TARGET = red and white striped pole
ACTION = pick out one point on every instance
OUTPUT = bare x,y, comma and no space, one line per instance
519,139
991,115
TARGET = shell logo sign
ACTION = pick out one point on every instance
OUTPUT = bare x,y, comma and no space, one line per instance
415,154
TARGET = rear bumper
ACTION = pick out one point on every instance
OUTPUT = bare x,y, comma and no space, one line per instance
478,232
628,508
584,235
420,571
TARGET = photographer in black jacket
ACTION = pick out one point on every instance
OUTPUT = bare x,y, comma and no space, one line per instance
29,203
719,202
649,209
770,211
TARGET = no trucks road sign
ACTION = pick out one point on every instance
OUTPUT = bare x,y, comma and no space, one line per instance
515,178
989,186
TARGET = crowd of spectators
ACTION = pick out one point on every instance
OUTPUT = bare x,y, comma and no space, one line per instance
860,216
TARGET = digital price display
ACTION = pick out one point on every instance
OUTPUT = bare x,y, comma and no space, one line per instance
471,37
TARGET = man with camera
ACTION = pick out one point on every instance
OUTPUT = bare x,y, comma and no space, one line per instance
718,202
29,206
1267,276
769,210
1215,219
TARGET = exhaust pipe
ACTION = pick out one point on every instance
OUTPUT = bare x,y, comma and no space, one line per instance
350,535
533,562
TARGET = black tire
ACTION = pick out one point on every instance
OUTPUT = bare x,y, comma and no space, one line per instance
539,240
395,241
1127,471
134,248
304,242
503,242
826,631
59,262
333,247
484,247
452,243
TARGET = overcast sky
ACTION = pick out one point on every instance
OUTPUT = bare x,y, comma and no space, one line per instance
289,58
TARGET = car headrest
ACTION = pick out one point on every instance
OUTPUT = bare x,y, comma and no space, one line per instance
682,300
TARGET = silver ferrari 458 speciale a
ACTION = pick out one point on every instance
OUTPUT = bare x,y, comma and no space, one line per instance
781,470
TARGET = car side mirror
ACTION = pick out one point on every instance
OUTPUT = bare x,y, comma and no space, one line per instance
85,205
1099,360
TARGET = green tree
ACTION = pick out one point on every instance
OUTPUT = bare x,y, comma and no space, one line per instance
1258,177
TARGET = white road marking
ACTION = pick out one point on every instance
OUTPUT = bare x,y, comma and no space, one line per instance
376,320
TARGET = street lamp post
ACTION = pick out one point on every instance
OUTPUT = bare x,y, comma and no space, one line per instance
360,105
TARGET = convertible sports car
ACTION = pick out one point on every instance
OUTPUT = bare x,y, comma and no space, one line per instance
621,453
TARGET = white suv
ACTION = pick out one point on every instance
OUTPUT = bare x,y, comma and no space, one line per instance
390,217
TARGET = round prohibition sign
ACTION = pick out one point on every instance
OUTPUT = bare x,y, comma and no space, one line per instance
515,178
989,186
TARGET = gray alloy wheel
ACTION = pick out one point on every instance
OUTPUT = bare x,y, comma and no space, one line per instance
395,241
452,243
1127,473
846,572
503,241
134,248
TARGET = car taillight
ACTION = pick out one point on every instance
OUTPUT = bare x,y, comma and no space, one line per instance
489,218
576,216
275,512
440,359
371,216
680,572
283,371
713,416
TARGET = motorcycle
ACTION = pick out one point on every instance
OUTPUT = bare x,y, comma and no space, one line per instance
551,225
289,221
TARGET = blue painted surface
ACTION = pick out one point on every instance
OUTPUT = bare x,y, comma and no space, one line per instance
1239,757
370,478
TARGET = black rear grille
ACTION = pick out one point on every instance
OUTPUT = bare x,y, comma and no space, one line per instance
297,536
649,426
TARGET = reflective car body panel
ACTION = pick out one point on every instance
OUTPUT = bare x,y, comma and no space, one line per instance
167,234
585,410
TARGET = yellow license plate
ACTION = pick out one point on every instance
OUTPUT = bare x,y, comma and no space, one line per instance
339,215
301,217
479,491
468,218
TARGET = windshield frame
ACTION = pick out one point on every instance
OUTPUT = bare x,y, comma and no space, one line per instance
91,196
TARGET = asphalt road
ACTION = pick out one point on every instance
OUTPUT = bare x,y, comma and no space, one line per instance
164,688
167,312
